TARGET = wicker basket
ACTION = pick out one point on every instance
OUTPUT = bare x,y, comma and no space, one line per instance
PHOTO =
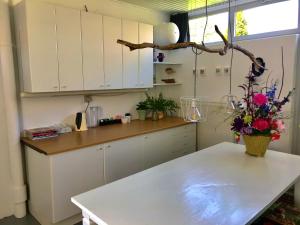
256,145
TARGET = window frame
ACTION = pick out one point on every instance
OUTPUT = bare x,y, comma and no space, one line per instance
239,5
210,13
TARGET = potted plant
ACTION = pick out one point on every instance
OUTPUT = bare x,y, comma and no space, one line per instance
160,106
142,108
258,117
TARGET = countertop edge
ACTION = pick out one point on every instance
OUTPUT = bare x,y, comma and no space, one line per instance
27,142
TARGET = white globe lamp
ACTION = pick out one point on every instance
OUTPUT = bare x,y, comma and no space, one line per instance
166,33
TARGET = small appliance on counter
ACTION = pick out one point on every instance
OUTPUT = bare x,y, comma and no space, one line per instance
80,122
110,121
93,115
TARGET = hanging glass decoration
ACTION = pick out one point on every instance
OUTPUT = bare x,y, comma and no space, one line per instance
194,109
231,104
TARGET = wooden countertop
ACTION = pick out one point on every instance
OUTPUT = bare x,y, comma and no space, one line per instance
100,135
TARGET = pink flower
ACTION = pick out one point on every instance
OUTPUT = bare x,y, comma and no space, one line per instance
261,124
280,125
260,99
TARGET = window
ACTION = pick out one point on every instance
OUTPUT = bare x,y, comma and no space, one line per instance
252,19
197,27
268,18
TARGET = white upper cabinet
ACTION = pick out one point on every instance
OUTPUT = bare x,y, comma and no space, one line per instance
112,28
92,51
63,49
130,32
37,47
146,56
69,49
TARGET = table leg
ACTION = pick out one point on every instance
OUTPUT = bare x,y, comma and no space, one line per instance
85,219
297,193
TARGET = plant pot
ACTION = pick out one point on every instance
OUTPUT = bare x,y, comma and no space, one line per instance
142,114
154,115
160,115
256,145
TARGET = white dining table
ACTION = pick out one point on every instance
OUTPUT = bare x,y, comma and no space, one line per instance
218,185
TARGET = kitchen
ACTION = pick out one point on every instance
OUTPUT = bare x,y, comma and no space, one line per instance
37,106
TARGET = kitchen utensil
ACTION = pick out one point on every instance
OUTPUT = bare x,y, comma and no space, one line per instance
80,121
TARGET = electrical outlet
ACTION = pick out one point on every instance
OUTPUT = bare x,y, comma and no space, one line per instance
88,98
226,70
202,71
194,71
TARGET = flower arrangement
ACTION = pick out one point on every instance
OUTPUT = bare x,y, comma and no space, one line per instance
260,111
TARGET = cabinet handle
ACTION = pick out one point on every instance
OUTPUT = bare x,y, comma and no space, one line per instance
101,85
146,137
108,85
55,87
64,86
108,146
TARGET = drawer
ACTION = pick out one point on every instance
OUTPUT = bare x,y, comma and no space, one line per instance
184,130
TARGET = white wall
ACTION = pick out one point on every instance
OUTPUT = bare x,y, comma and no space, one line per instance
46,111
216,86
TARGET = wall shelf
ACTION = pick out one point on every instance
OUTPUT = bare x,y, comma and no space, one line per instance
167,63
166,84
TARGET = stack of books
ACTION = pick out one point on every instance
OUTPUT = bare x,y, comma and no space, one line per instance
41,133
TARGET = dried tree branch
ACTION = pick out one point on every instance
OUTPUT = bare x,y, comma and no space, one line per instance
202,47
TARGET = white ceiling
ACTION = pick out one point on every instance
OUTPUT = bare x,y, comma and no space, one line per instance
172,6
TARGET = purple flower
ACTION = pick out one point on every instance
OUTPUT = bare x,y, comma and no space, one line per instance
271,92
246,131
237,124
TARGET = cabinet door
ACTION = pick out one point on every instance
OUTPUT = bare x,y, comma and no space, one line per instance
123,158
184,140
130,58
40,68
112,29
92,51
146,56
73,173
158,147
69,49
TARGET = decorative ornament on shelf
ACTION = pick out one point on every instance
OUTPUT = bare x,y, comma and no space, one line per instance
259,117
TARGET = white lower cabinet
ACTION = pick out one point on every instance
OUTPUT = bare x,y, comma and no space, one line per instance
54,179
123,158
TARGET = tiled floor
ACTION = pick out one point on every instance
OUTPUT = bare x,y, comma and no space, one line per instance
27,220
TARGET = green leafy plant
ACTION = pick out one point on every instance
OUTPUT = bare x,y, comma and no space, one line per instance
142,105
160,104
